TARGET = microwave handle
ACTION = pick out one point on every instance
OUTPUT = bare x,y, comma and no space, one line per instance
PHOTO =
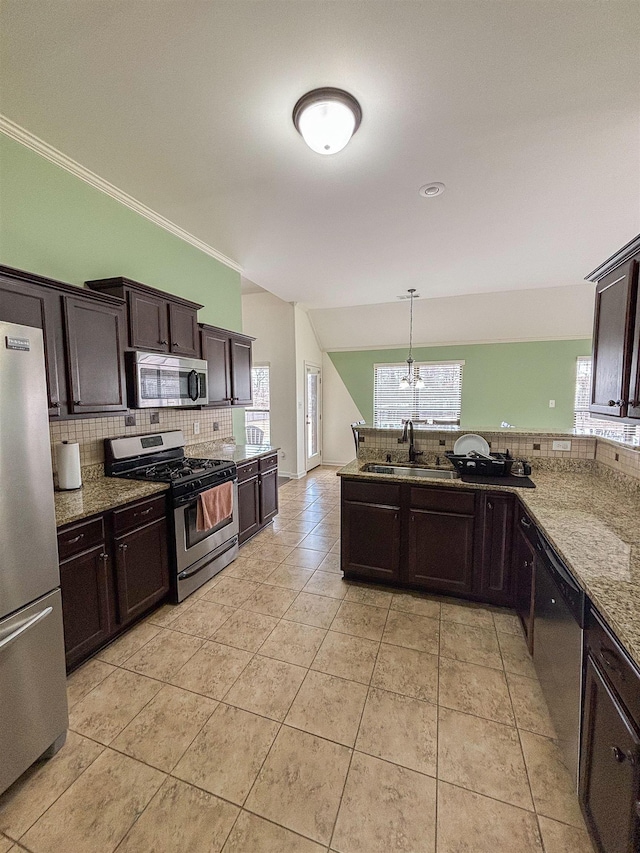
193,384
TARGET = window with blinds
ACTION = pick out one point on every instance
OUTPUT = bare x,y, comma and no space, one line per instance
258,416
585,423
438,404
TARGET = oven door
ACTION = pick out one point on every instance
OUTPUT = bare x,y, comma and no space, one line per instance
193,545
164,380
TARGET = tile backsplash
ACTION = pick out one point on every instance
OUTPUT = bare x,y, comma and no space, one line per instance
91,432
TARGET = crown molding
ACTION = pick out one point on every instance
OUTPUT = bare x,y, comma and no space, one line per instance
29,140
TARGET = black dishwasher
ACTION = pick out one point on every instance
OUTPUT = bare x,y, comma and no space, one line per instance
559,619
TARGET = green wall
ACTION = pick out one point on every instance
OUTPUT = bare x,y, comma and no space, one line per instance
54,224
500,382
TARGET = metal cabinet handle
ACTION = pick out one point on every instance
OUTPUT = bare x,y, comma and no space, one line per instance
621,755
489,505
104,557
123,546
144,512
163,343
75,539
25,627
524,522
77,402
55,404
175,344
610,660
618,403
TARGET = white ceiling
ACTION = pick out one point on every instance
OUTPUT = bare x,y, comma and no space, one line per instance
528,111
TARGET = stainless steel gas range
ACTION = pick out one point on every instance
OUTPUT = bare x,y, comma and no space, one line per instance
198,555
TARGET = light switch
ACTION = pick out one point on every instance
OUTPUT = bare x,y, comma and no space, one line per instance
552,404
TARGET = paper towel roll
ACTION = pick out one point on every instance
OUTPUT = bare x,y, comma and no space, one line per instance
68,456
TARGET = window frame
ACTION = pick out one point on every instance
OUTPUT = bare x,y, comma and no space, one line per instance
584,423
414,413
259,410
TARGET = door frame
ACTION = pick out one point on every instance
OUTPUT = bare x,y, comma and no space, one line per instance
316,459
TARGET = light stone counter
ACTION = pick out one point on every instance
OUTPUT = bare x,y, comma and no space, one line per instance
99,495
594,524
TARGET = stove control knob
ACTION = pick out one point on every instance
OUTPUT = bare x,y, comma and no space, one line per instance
197,483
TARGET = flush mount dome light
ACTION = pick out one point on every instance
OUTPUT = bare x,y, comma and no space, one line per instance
327,119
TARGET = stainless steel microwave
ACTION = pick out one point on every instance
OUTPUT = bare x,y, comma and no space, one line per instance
168,380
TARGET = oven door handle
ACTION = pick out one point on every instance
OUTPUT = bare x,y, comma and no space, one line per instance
191,496
193,385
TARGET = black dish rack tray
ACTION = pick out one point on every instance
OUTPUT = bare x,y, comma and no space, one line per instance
498,466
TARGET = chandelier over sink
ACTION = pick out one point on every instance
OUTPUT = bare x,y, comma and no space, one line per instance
412,379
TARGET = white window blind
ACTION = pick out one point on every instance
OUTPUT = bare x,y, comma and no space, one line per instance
437,404
585,423
258,416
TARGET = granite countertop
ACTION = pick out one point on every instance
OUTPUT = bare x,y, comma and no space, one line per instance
238,454
100,495
595,527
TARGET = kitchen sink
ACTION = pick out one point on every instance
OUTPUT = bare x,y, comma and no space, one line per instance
411,471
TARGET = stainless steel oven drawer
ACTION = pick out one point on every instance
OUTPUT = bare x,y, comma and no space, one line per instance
33,694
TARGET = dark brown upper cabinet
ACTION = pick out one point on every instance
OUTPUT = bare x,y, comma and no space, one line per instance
95,355
228,355
83,340
157,321
615,389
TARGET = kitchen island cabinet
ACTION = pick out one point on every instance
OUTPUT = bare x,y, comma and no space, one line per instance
113,568
441,540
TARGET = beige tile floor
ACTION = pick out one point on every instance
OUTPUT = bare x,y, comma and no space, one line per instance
283,710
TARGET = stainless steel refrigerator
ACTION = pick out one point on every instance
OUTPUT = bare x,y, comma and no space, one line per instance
33,699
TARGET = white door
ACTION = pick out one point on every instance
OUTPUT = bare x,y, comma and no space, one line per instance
313,415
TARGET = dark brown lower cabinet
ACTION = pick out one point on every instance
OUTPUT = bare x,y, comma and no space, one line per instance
609,767
84,581
107,581
524,574
443,540
257,494
142,569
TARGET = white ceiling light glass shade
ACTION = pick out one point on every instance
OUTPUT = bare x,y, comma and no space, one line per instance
327,119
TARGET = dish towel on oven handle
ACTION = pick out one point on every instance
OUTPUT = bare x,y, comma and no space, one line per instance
214,506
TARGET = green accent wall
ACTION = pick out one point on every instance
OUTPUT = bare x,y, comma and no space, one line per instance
54,224
500,382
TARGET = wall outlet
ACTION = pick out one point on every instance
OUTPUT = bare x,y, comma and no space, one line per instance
196,427
129,420
154,418
561,445
216,426
552,404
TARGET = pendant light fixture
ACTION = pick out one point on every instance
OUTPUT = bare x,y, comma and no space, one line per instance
327,119
412,378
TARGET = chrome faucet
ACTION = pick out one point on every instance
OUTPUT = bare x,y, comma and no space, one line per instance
407,435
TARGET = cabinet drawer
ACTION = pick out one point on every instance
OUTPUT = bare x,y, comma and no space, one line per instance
72,540
613,660
135,515
266,463
371,493
249,469
443,500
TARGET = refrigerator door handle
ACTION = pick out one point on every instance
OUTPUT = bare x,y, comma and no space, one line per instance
25,627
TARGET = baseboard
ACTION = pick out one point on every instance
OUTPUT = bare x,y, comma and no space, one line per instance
337,464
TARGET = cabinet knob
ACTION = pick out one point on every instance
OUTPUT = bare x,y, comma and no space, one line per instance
175,344
55,404
123,546
489,505
618,403
637,807
77,402
163,343
104,557
618,754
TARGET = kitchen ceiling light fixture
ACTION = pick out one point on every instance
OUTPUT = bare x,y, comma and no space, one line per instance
327,119
412,378
432,190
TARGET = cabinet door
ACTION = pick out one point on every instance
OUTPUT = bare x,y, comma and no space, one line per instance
612,340
183,326
148,322
496,577
142,569
634,384
41,307
95,343
371,540
609,767
523,570
248,508
268,495
215,351
441,548
241,372
84,581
